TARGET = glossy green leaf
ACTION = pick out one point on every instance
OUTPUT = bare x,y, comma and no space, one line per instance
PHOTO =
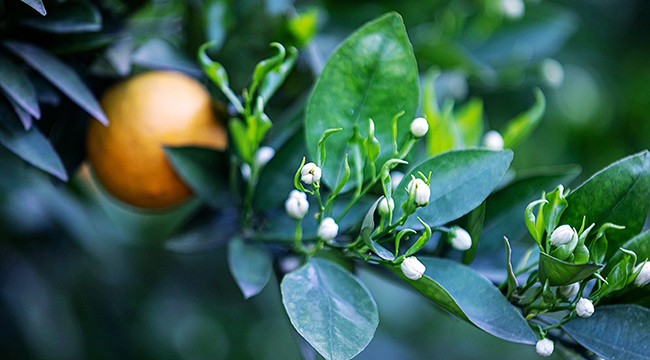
614,332
18,87
203,170
36,5
60,75
330,308
471,297
371,75
616,194
68,17
30,145
561,273
520,128
250,265
460,181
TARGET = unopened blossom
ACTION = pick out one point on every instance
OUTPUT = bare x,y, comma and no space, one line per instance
584,308
385,206
544,347
310,173
420,191
493,140
297,204
459,238
562,235
328,229
643,278
264,155
419,127
412,268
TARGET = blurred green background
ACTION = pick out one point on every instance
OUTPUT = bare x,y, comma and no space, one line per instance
83,276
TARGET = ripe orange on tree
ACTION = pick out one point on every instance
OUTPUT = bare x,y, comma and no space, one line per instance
145,113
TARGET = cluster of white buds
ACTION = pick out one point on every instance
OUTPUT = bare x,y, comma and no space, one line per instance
310,173
385,206
492,140
584,308
412,268
568,291
643,278
297,204
420,191
545,347
419,127
563,235
459,238
328,229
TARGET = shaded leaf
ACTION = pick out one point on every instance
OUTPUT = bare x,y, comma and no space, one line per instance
203,170
561,273
250,265
158,54
469,120
60,75
616,194
330,308
471,297
460,181
18,87
207,232
615,332
68,17
36,5
371,75
520,128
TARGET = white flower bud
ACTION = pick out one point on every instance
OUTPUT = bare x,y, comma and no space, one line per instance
419,127
328,229
310,173
644,276
412,268
246,171
584,308
385,207
492,140
396,178
552,72
264,155
544,347
568,291
420,190
459,238
562,235
513,9
297,204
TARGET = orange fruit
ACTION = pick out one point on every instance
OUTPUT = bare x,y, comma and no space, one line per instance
145,113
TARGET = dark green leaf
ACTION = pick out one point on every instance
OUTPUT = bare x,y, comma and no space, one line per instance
36,5
471,297
158,54
475,221
250,265
520,128
616,194
23,116
561,273
460,181
60,75
640,244
615,332
330,308
372,75
68,17
203,170
17,85
30,145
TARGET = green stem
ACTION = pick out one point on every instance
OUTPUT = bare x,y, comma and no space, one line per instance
321,208
561,322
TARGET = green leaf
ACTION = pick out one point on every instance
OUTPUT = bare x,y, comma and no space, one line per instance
561,273
265,66
159,54
471,297
520,128
303,26
469,121
640,244
512,278
36,5
616,194
60,75
460,181
30,145
68,17
614,332
321,145
217,73
368,227
475,221
275,77
23,116
203,170
443,134
330,308
553,210
18,87
250,266
371,75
